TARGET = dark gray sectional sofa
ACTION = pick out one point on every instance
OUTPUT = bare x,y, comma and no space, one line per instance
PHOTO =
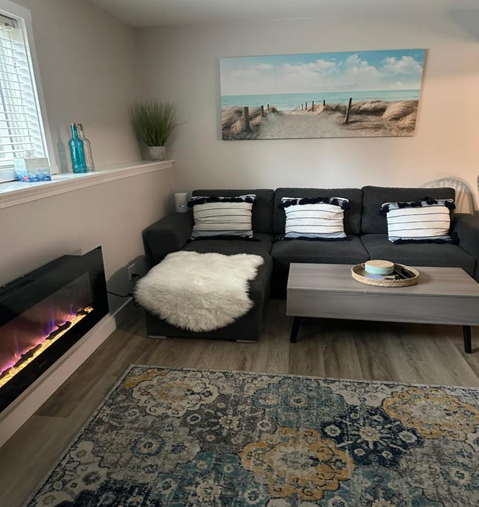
367,239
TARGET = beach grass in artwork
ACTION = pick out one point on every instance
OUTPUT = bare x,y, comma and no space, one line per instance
349,94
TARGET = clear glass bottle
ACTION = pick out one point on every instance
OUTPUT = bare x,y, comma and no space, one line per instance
86,149
76,151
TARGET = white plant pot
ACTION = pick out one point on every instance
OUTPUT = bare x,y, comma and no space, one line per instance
156,152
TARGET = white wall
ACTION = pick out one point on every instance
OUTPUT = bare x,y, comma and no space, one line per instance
87,63
87,60
180,64
111,214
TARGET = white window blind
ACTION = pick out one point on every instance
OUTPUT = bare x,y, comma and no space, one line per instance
21,129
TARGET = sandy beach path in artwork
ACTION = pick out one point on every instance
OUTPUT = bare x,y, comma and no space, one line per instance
302,125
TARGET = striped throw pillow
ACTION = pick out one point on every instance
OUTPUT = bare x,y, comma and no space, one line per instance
222,216
427,220
315,218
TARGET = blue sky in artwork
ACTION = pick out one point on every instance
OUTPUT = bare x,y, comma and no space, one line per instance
399,69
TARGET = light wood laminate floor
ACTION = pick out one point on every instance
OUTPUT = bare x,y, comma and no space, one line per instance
328,348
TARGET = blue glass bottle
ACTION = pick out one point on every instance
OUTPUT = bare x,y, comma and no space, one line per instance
90,165
76,151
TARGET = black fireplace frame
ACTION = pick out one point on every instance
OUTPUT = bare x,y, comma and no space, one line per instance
25,292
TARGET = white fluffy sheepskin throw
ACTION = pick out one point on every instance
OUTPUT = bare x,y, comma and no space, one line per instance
199,292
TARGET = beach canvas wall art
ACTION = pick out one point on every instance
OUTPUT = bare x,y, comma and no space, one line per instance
314,95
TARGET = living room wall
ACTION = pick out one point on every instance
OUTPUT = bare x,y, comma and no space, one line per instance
87,63
180,64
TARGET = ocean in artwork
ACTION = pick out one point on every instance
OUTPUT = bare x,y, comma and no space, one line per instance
292,101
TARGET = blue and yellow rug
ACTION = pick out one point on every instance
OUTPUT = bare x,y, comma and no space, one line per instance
174,437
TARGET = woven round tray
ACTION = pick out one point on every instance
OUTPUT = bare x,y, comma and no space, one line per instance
359,273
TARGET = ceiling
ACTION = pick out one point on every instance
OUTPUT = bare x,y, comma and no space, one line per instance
142,13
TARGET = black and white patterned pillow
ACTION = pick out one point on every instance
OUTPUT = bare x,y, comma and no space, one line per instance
314,218
427,220
222,216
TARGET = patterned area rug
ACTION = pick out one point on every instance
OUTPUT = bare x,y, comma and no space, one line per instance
174,437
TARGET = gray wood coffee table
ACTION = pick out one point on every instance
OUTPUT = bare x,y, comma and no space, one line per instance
328,291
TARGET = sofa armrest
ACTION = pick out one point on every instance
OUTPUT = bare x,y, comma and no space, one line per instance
169,234
467,228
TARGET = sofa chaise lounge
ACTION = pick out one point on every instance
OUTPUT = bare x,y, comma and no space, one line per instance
366,233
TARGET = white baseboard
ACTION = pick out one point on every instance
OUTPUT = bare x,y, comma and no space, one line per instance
16,414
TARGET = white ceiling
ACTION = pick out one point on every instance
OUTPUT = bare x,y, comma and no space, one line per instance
170,12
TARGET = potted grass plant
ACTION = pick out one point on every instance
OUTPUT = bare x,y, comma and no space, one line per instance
154,123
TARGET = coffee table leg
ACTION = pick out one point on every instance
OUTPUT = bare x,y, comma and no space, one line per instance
467,339
294,331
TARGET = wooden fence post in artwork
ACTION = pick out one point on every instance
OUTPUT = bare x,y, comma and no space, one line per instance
268,107
247,125
348,110
306,106
324,102
312,106
262,111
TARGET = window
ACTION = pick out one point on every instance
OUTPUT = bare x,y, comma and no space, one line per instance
22,132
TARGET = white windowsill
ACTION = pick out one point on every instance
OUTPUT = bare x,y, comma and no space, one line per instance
17,192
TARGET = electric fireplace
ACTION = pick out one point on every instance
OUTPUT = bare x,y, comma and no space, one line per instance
43,314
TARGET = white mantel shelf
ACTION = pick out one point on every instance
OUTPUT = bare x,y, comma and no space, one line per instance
18,192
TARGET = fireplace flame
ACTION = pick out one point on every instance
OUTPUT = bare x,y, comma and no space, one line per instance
54,336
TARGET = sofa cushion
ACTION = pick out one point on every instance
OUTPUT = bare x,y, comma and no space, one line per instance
222,216
466,226
350,251
261,245
418,254
352,217
419,221
374,197
321,218
262,208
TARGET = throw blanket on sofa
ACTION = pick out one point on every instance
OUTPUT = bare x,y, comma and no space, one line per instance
199,292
